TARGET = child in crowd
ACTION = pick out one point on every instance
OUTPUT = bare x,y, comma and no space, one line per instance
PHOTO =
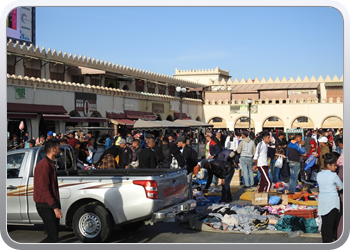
328,200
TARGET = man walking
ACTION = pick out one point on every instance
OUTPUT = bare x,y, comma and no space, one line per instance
247,150
260,159
46,195
294,153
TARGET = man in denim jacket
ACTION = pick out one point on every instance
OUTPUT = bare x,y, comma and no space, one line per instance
294,153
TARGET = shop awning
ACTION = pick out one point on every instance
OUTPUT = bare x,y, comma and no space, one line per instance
127,122
87,119
184,116
193,123
22,115
115,114
56,117
157,125
133,114
35,108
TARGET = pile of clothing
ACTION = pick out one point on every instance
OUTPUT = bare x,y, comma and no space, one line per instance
230,217
280,209
249,218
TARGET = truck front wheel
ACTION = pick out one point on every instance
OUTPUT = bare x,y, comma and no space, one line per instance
92,223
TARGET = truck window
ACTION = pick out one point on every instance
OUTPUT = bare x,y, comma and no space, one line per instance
14,163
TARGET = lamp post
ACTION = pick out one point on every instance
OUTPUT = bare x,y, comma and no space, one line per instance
250,101
181,92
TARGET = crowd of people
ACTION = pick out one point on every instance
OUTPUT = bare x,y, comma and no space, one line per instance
314,157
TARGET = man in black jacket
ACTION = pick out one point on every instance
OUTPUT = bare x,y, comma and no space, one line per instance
186,151
157,150
223,170
148,156
125,156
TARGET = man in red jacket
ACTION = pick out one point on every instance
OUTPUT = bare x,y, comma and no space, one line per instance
46,195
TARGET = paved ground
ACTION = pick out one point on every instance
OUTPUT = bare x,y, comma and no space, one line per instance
172,232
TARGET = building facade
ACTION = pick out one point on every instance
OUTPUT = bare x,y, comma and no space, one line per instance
276,104
50,90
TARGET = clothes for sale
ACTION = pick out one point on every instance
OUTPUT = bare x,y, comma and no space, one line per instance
294,223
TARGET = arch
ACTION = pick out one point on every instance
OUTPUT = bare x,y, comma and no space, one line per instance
95,114
332,121
198,118
302,122
73,113
112,85
125,87
169,118
243,123
159,117
218,122
273,122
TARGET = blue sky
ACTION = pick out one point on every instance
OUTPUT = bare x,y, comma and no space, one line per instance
247,41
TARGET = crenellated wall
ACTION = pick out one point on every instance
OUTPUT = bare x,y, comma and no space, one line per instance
95,64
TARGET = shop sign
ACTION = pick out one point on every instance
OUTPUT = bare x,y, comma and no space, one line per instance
174,106
157,107
20,93
85,102
243,109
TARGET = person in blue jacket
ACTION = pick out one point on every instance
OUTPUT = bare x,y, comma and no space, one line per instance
295,151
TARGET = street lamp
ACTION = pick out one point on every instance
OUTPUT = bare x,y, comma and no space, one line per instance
250,101
181,92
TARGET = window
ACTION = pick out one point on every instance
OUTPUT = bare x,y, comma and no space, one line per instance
161,89
139,85
95,82
77,79
151,88
11,70
172,90
14,163
32,72
56,76
303,119
217,119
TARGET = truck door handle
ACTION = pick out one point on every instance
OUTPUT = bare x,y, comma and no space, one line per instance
11,187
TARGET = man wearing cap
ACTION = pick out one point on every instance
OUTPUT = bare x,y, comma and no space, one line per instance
324,150
125,156
49,136
31,143
72,141
246,149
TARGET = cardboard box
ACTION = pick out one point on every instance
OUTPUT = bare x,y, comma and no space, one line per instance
262,199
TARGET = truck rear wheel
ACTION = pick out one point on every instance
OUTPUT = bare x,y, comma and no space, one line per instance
92,223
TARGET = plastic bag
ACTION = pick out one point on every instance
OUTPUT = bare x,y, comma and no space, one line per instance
279,162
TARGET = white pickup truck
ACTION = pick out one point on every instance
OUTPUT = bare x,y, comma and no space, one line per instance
94,201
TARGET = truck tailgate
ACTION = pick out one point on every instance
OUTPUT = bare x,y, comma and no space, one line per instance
172,188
